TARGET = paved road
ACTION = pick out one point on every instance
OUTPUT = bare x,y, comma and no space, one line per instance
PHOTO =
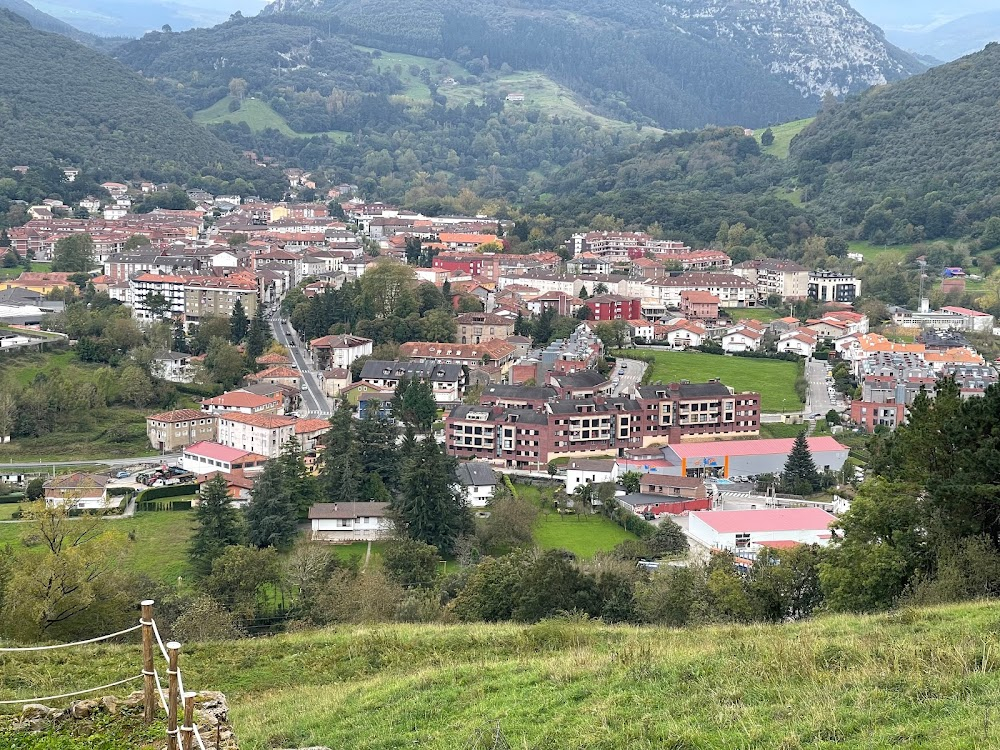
818,400
172,458
631,379
314,403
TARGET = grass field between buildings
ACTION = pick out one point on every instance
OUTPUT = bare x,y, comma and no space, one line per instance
918,678
584,536
774,379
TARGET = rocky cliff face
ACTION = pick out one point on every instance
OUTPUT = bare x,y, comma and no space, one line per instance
816,45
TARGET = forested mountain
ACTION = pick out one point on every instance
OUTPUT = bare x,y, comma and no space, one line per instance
45,22
61,102
686,185
683,64
916,159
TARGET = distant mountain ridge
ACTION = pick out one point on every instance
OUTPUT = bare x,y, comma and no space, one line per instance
683,63
45,22
61,102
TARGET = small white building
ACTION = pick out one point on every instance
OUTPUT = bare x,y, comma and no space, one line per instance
736,530
741,340
583,471
79,490
476,482
174,367
349,522
797,342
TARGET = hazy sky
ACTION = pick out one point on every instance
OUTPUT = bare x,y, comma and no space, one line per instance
914,14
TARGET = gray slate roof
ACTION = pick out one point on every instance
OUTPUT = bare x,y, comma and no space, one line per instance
475,474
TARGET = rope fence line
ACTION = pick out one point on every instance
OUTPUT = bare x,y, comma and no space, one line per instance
70,695
75,643
181,735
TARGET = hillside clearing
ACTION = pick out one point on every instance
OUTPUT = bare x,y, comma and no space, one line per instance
774,379
916,678
258,115
783,135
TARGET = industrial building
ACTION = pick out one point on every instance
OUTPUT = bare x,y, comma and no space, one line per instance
749,457
735,530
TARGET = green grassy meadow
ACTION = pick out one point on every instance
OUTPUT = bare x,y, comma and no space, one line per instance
763,314
584,536
258,115
918,678
783,135
870,251
159,549
13,273
539,90
774,379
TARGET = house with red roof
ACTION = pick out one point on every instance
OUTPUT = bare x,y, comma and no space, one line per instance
278,375
241,401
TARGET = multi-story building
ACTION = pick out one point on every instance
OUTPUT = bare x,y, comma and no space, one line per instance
783,278
699,305
494,353
473,264
476,328
243,402
531,433
210,296
606,307
623,246
732,290
157,296
339,351
448,381
830,286
263,434
172,430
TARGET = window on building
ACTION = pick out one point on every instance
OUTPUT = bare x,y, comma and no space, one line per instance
742,541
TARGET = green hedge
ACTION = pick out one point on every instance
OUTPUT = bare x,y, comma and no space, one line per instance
14,497
161,505
176,490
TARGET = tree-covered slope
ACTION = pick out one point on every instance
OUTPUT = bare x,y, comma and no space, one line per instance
62,102
683,64
916,159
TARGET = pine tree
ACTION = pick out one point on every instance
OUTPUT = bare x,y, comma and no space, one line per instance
180,338
272,518
799,475
339,480
430,508
257,336
238,323
219,525
301,485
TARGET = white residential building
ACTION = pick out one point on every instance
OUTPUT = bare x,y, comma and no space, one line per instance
476,482
581,472
264,434
349,522
741,340
174,367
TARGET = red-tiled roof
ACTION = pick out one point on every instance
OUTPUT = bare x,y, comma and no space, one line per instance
311,425
238,399
180,415
267,421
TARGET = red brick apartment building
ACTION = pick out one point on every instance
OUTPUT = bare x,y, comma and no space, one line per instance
528,430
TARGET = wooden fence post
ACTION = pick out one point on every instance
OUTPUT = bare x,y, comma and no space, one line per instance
173,651
187,728
149,686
